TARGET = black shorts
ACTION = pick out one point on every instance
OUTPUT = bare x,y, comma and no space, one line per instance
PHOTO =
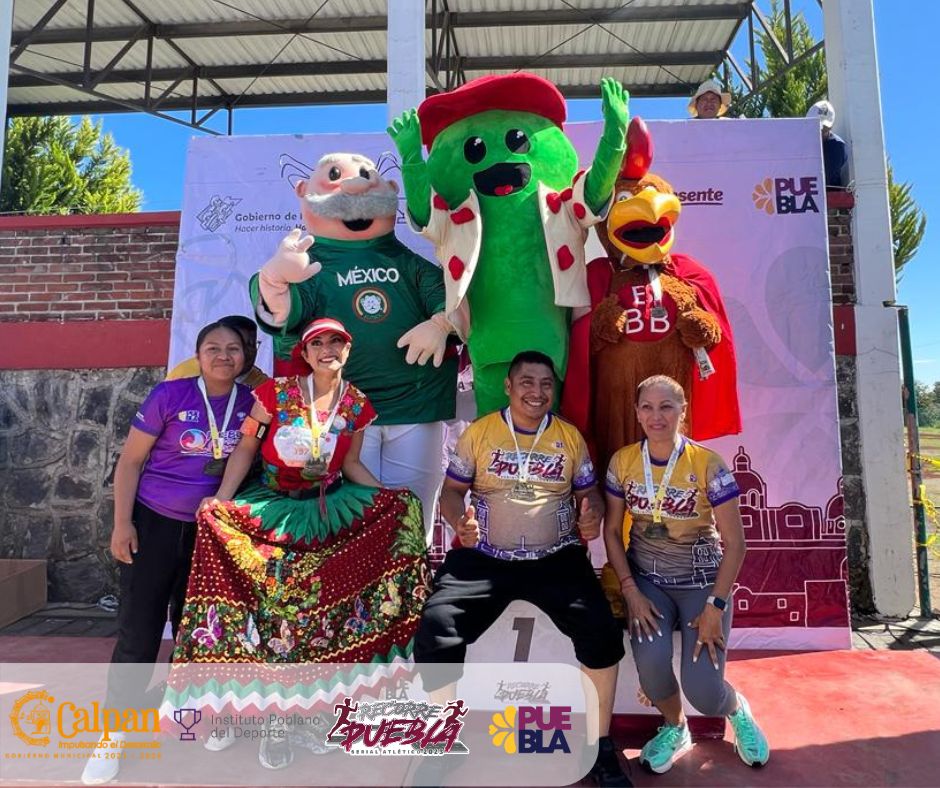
471,590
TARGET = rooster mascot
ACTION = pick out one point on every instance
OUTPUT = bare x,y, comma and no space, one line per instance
652,312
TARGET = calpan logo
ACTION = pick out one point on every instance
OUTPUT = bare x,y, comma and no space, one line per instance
531,729
786,195
36,714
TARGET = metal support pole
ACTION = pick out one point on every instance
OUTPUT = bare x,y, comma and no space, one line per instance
913,448
149,80
407,61
750,38
89,29
852,67
6,34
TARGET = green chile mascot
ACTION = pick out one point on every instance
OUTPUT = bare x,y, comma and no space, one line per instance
501,197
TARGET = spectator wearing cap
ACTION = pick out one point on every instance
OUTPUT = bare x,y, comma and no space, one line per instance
709,101
835,151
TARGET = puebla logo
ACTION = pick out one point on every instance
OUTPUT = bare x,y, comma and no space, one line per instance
371,305
531,729
786,195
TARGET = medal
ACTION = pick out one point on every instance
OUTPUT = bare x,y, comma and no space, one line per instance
322,443
214,467
653,495
215,435
314,469
522,490
658,311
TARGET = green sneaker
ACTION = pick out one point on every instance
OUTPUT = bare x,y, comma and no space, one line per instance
749,740
669,744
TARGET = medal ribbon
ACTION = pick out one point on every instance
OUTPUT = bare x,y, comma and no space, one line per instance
656,287
214,434
656,497
523,476
318,428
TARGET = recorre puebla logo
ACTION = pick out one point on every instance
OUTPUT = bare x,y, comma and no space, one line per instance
786,195
531,729
398,727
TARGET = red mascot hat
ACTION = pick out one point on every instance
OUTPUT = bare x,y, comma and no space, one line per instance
519,92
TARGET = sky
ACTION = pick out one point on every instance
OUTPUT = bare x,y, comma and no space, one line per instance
907,55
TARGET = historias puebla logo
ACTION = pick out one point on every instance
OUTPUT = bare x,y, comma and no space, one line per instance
786,195
531,729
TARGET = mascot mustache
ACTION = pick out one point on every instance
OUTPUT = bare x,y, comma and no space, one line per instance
348,207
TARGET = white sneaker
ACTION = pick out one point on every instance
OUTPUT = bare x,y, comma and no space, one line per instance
221,742
100,770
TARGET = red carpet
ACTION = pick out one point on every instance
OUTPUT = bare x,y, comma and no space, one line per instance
832,718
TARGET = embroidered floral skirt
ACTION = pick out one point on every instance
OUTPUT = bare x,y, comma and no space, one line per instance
278,581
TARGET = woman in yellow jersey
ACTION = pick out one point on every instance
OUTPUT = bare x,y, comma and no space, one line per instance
685,548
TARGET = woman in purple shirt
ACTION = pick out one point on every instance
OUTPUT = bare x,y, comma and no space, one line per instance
174,457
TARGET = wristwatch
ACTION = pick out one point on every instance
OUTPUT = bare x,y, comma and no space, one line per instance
718,602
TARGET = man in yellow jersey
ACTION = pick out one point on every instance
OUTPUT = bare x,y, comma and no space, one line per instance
250,375
533,499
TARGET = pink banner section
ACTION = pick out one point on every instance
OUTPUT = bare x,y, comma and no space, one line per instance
754,213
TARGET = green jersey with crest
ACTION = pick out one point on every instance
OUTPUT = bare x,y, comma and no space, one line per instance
379,289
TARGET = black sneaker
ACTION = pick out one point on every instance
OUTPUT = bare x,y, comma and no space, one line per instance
606,770
275,751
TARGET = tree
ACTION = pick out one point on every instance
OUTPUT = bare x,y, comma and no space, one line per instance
908,222
928,404
53,166
791,96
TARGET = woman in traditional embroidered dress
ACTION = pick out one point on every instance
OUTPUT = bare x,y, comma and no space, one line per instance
173,457
312,562
682,503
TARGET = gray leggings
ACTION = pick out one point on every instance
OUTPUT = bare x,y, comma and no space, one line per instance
703,686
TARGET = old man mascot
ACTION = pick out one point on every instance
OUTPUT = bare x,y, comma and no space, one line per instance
352,268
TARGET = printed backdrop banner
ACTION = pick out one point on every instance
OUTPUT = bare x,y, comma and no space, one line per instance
753,212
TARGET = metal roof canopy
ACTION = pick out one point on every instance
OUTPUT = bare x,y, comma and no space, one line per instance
205,56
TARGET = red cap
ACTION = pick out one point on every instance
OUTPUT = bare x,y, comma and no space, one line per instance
322,325
519,92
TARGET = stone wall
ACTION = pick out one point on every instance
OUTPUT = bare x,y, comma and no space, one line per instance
842,273
61,432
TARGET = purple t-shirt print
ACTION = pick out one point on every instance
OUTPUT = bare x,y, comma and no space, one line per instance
173,481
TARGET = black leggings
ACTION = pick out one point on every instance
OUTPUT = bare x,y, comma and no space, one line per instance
155,582
472,589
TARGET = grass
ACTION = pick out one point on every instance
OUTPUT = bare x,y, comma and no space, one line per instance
930,447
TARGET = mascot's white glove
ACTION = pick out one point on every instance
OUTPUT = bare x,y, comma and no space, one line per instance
427,340
290,265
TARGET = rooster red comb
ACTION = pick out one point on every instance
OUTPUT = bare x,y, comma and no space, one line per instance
639,155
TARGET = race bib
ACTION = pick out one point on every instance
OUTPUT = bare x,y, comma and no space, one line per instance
293,445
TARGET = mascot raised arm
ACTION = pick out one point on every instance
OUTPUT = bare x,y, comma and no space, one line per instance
352,268
503,201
